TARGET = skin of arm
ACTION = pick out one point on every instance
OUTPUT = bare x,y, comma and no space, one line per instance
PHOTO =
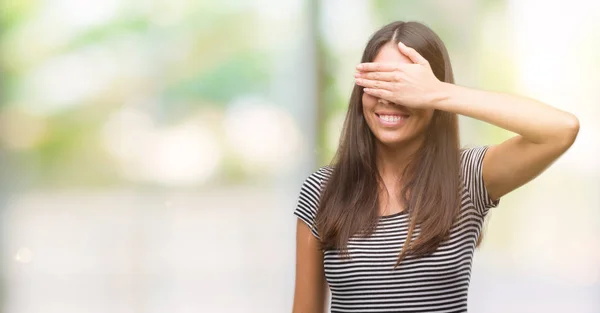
544,134
310,291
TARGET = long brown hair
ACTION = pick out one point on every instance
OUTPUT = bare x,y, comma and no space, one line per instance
349,202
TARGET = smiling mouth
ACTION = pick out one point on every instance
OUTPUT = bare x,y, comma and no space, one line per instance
392,119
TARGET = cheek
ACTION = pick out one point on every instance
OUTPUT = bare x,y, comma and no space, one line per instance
368,105
424,119
368,102
425,116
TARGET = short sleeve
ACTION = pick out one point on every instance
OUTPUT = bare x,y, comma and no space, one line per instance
472,175
308,201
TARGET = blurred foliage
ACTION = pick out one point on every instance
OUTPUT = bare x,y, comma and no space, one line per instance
138,25
240,74
206,58
70,154
330,99
13,12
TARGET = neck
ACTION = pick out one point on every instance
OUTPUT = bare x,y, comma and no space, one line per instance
393,160
391,163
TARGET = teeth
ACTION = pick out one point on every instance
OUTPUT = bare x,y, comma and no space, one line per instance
391,118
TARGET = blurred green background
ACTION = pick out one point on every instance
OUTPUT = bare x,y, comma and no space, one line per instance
152,151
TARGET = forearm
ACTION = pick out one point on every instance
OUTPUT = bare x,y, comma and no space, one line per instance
535,121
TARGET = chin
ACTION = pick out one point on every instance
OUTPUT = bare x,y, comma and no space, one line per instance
396,140
392,141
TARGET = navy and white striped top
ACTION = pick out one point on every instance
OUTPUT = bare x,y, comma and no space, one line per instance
439,282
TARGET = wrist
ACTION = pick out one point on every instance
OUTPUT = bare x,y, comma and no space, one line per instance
441,95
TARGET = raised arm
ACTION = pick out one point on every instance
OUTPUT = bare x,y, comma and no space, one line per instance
544,133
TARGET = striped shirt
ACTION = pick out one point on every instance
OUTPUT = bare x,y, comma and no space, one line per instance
438,282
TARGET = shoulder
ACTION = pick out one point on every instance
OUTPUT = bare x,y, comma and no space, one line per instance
316,180
471,160
323,173
471,155
310,195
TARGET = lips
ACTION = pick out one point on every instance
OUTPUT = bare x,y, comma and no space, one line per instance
392,113
389,119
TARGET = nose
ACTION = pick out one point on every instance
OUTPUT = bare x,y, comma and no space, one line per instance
383,101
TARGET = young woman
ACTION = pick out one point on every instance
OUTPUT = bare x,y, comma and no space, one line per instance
392,224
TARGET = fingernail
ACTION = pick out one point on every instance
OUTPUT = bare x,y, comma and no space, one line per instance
359,66
356,74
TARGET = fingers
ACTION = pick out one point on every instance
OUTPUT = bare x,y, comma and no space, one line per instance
375,84
379,93
412,54
383,76
377,67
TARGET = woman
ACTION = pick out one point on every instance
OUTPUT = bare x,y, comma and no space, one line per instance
392,224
